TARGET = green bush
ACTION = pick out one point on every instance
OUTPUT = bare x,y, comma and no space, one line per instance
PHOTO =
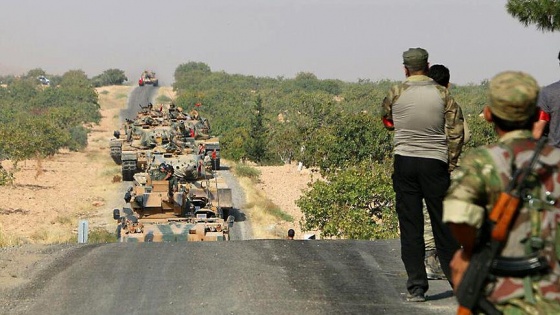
163,99
109,77
354,203
274,210
78,138
101,235
243,170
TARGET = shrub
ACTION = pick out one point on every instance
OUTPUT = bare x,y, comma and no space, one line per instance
243,170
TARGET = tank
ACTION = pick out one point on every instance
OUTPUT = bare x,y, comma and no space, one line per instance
133,146
148,77
143,137
133,129
195,169
191,215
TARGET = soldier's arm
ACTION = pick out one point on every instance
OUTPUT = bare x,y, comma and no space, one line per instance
454,131
387,108
544,110
540,124
466,198
463,211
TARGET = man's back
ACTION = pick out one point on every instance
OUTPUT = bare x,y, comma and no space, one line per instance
418,116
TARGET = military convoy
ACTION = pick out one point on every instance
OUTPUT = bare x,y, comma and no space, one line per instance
148,77
194,202
173,131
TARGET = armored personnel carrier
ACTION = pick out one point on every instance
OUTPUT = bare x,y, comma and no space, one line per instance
193,213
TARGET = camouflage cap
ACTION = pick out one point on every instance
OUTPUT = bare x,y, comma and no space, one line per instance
415,58
513,96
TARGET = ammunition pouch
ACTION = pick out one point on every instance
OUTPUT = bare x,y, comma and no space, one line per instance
519,267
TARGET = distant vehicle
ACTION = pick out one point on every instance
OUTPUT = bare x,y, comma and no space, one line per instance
44,80
148,77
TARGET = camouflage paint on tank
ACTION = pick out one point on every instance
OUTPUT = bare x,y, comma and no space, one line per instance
181,231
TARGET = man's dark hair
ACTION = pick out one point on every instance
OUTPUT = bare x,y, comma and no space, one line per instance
508,126
440,74
291,233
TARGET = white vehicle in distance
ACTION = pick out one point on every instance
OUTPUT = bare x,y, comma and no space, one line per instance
43,80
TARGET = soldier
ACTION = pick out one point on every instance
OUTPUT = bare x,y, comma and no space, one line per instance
484,174
160,173
172,111
549,116
428,140
441,75
173,183
291,234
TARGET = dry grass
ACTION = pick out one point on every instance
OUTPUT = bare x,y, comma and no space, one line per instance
111,97
164,93
265,222
11,240
57,192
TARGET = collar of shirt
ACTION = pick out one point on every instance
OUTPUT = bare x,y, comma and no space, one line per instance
516,134
419,77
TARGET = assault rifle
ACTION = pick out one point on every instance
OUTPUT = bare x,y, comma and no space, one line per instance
483,260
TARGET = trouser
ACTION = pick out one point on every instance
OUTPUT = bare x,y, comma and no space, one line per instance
416,180
428,235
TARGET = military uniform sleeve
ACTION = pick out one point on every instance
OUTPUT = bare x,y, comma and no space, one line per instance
454,130
387,106
464,202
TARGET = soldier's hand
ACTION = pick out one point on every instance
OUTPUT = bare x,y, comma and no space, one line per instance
459,265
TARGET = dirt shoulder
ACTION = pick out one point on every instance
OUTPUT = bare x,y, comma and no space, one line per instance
50,196
283,185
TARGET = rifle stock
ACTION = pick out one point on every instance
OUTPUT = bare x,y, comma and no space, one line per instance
510,206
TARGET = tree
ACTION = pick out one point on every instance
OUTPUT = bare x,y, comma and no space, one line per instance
189,75
232,144
75,78
353,139
109,77
256,143
545,14
28,136
285,140
34,73
356,203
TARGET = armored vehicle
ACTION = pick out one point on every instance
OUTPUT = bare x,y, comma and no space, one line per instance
142,138
191,214
133,129
115,145
148,77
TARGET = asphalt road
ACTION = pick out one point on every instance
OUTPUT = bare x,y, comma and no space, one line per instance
141,95
235,277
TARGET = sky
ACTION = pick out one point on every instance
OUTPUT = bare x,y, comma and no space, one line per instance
333,39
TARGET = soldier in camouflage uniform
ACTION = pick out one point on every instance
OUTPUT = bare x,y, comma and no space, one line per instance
485,172
428,139
442,76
